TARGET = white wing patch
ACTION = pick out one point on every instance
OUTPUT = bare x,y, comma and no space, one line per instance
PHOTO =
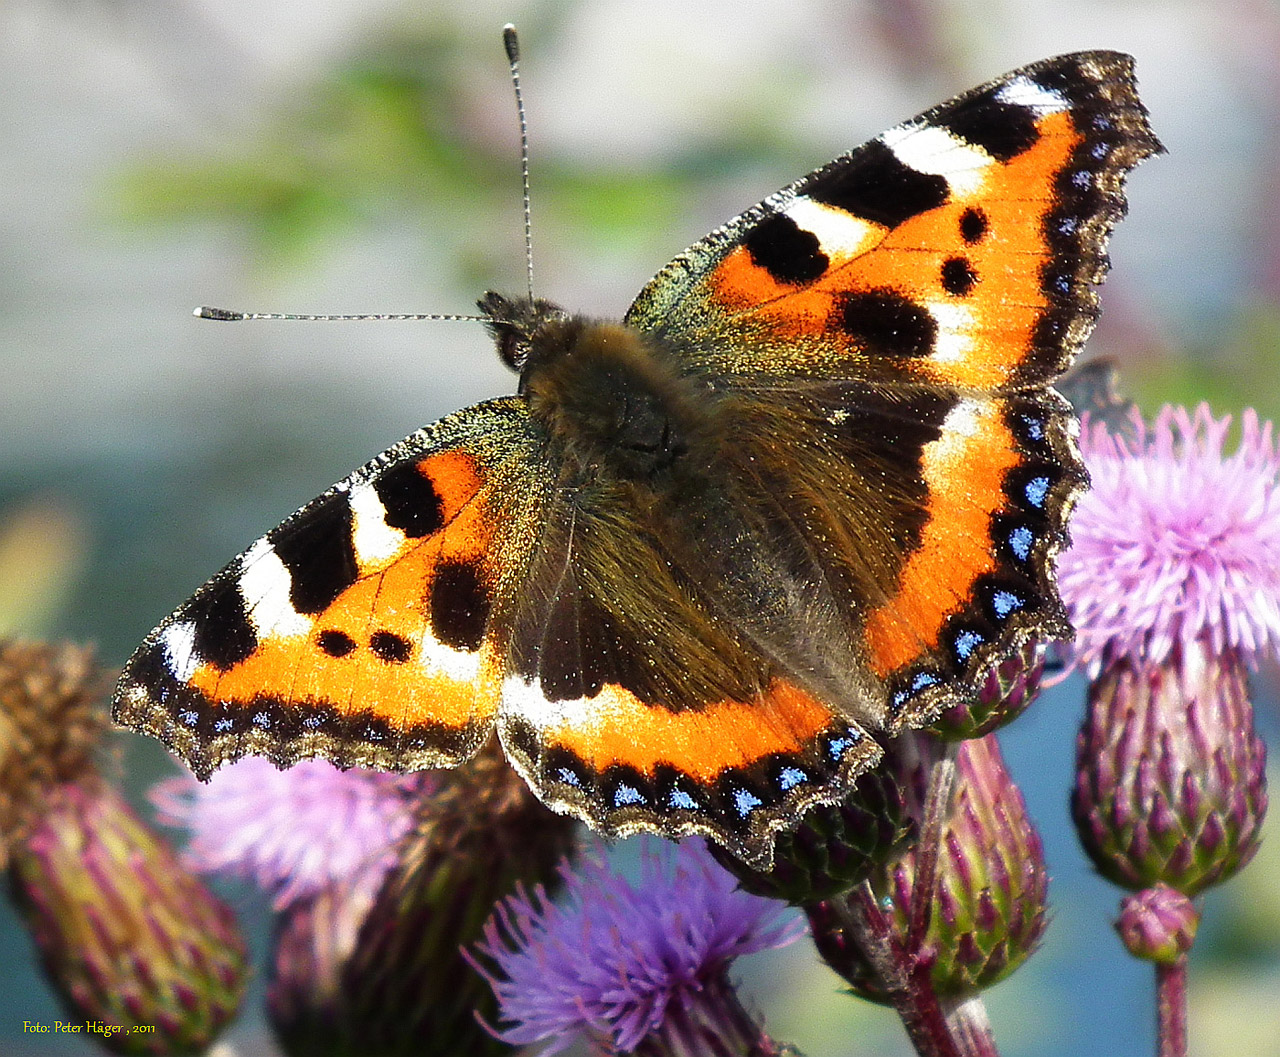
934,150
459,665
954,341
179,642
942,457
374,540
264,585
840,233
1022,91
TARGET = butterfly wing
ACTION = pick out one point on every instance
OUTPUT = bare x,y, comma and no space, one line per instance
897,317
636,703
366,627
961,248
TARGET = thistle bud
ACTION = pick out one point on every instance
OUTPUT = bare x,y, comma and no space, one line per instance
1005,694
1158,924
1170,773
394,980
987,910
52,718
132,941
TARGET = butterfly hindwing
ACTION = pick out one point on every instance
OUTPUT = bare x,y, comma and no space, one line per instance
362,628
635,701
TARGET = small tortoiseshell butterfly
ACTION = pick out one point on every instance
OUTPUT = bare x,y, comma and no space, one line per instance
800,499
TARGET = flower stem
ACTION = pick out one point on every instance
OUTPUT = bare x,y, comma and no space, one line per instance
937,809
904,978
1171,1009
971,1028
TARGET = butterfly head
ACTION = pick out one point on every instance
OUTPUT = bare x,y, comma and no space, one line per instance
525,328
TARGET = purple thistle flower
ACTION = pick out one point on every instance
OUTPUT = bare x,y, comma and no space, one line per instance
296,831
1173,582
621,962
1176,541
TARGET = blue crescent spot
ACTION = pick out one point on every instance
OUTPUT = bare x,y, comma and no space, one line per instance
189,718
1020,540
922,680
836,747
966,643
569,778
1006,602
312,722
745,802
682,801
627,794
220,725
791,777
262,721
1035,426
1036,490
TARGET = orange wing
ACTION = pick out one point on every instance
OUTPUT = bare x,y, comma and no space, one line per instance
361,629
958,249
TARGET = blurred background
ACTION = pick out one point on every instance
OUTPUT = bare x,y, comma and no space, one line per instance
361,155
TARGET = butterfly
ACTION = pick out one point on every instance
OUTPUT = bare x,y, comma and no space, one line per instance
800,499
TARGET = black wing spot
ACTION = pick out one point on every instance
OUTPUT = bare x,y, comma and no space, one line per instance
876,185
317,549
958,276
389,647
973,225
886,323
224,635
459,605
786,251
1003,130
336,643
410,500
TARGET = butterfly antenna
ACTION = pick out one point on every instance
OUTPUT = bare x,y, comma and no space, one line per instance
227,315
511,42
